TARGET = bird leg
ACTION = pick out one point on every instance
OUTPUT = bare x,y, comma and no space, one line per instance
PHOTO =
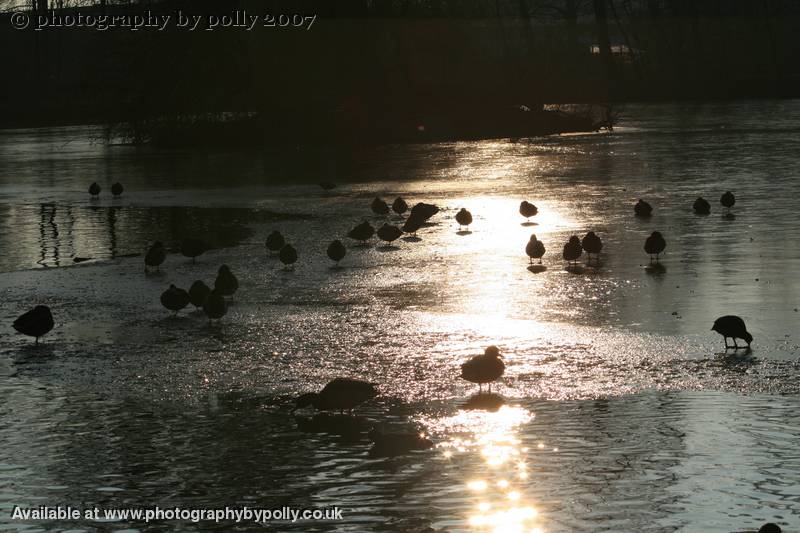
735,346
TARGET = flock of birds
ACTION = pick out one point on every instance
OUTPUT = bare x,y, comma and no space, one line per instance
345,394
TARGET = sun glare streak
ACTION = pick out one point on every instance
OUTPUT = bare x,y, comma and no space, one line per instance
488,443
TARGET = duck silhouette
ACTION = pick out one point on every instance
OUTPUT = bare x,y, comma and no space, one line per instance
727,200
423,212
94,189
534,249
198,293
215,306
193,248
363,232
226,283
275,242
592,245
155,255
389,233
338,395
412,225
379,207
654,245
394,444
732,326
399,206
484,368
35,323
288,255
464,218
572,250
174,299
527,210
336,251
642,209
117,189
701,206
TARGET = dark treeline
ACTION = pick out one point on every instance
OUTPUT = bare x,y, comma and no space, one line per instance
376,64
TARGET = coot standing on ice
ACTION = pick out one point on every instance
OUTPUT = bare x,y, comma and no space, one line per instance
732,326
275,242
399,206
155,256
174,299
701,206
535,249
198,293
215,306
336,251
642,209
193,248
116,189
527,210
592,245
727,200
389,233
379,207
94,189
226,283
484,368
288,255
572,250
654,245
35,323
464,218
363,232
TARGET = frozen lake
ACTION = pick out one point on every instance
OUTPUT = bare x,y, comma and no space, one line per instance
623,413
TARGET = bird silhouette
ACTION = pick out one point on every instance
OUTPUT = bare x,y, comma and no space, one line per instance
484,368
394,444
215,306
198,293
379,207
35,323
338,395
288,255
727,200
363,232
572,250
336,251
116,189
193,248
654,245
327,185
732,326
535,249
527,210
592,245
275,242
155,256
770,528
412,225
423,212
226,283
642,209
701,206
464,218
94,189
174,299
389,233
399,206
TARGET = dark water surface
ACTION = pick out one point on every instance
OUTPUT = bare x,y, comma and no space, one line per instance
622,414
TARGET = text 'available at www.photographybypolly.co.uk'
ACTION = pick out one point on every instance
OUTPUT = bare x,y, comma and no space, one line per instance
151,514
